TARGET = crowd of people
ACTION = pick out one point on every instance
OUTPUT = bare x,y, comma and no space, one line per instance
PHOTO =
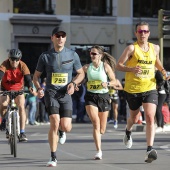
93,89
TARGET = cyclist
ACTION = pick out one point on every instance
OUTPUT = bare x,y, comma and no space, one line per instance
13,73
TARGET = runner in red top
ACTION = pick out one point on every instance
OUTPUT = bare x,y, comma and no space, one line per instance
13,74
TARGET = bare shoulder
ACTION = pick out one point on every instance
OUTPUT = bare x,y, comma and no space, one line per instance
130,48
156,47
85,67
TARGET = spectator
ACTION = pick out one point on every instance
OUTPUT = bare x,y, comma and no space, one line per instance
31,102
113,91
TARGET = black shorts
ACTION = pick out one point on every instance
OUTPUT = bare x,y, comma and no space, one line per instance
58,102
101,101
135,100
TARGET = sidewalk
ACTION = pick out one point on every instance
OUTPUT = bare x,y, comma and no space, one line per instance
142,128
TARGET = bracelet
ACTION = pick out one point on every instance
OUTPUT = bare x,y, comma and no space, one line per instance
74,84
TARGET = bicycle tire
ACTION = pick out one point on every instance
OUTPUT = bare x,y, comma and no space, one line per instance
14,131
11,144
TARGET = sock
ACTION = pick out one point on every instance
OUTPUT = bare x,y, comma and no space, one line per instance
149,148
128,133
22,131
53,154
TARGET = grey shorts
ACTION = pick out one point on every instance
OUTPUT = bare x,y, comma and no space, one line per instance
101,101
135,100
58,102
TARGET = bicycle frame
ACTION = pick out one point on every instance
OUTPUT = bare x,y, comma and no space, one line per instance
12,109
13,120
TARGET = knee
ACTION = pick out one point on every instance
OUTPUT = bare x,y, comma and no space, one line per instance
134,120
67,128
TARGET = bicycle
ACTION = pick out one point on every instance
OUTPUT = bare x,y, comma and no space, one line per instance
13,120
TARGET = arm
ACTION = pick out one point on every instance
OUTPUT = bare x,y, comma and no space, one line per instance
36,77
111,76
158,63
1,75
77,80
127,53
118,85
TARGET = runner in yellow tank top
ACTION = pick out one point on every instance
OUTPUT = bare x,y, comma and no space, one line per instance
145,80
141,58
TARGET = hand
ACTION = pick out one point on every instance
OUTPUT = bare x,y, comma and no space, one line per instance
104,84
40,93
137,69
70,88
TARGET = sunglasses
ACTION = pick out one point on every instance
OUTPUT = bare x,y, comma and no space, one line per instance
92,53
14,59
60,35
143,31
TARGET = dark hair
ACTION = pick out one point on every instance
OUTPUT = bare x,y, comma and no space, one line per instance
106,57
15,53
140,24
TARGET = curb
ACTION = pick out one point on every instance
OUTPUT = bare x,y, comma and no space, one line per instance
142,128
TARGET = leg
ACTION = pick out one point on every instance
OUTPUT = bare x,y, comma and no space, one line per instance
133,118
92,111
20,102
53,132
149,110
4,100
159,115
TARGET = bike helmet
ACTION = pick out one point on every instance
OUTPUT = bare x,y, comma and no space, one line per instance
15,53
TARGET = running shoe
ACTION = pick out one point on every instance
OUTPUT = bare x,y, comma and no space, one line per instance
151,156
52,162
128,141
3,125
110,121
62,137
7,134
98,155
115,124
22,137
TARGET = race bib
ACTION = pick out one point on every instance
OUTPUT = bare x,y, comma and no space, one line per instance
59,79
112,90
94,85
146,72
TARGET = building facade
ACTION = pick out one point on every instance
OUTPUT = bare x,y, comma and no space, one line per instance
109,23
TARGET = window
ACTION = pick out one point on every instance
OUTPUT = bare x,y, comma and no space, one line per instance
149,8
91,7
33,6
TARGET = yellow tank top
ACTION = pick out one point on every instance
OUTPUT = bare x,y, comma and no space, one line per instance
138,83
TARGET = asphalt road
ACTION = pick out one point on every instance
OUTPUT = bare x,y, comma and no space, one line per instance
78,151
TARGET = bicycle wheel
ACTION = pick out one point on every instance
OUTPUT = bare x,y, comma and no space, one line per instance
11,144
14,131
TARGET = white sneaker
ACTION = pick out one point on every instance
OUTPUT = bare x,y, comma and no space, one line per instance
151,156
98,155
111,121
115,124
52,162
159,129
62,137
128,141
